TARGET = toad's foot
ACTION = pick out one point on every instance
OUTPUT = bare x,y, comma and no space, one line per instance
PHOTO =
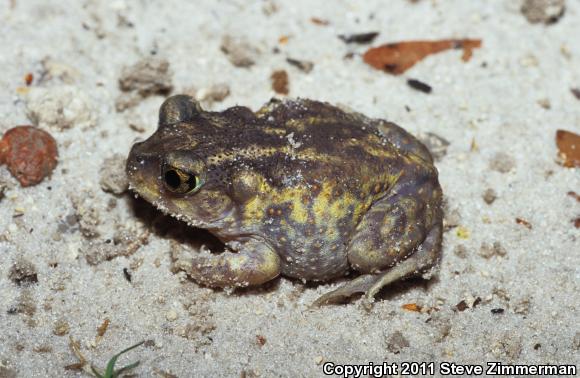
423,259
361,284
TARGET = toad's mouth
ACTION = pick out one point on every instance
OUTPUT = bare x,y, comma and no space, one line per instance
204,241
197,236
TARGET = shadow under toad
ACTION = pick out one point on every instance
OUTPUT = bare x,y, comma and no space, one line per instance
167,227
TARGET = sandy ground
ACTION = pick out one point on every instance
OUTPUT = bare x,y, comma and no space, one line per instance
68,268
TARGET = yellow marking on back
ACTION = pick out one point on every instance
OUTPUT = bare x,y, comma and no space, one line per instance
275,131
299,212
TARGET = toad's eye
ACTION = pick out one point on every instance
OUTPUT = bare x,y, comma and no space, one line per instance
180,182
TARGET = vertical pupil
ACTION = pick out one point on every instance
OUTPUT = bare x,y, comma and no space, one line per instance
172,179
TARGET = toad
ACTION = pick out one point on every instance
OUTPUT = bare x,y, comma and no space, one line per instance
299,188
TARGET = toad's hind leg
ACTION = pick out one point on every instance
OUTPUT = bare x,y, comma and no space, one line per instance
399,236
424,258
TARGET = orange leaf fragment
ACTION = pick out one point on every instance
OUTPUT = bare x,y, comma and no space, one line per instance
524,223
396,58
103,327
411,307
319,21
28,78
568,148
283,39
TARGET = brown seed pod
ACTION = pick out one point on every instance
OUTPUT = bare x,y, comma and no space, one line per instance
29,153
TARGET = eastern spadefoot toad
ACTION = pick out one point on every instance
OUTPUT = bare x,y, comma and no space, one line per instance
299,188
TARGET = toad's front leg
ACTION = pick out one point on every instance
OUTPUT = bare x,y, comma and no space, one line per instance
252,263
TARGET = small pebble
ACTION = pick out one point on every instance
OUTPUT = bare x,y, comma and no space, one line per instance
396,342
269,7
61,107
460,251
149,76
239,51
543,11
113,178
545,103
488,251
522,307
506,345
576,341
29,153
489,196
280,82
23,273
171,315
502,162
61,327
419,85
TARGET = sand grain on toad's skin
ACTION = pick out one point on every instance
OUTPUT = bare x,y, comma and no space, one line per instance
299,188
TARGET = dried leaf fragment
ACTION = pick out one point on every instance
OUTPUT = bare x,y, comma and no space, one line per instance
411,307
302,65
396,58
280,82
261,340
319,21
568,148
103,327
524,223
360,38
75,346
28,78
283,39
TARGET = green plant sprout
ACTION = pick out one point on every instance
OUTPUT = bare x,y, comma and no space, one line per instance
110,371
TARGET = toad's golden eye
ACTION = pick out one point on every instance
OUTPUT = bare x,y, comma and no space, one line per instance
180,182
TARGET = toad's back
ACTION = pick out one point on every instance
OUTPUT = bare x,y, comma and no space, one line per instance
322,168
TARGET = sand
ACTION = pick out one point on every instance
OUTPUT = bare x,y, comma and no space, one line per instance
82,266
